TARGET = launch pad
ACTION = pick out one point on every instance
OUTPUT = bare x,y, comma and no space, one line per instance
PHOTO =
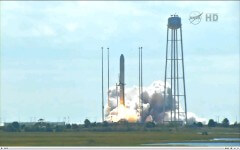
173,95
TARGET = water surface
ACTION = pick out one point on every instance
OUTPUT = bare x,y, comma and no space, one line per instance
212,142
226,139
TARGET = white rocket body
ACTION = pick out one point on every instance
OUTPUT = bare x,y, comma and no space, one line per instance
121,80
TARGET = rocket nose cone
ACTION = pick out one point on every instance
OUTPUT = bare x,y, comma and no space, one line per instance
121,57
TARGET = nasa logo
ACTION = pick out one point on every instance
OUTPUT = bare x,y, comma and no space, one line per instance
195,17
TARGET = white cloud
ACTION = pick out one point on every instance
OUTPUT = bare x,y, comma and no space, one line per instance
71,26
45,30
37,31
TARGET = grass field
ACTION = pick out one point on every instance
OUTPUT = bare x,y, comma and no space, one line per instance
131,138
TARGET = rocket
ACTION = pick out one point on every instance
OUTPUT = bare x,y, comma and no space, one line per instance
121,80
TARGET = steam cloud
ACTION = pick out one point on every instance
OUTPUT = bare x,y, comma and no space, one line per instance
153,98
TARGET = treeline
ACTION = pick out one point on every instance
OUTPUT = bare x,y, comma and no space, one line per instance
37,127
87,126
105,126
211,123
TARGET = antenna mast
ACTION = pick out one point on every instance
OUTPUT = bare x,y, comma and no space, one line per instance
102,90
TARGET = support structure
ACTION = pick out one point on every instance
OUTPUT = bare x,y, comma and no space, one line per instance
140,89
108,79
174,72
102,90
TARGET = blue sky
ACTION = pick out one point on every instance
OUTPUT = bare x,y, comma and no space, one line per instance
51,56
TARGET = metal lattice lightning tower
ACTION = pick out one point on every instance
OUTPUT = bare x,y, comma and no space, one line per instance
140,86
102,90
174,72
108,79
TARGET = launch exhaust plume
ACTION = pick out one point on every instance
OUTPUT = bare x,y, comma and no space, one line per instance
152,104
152,101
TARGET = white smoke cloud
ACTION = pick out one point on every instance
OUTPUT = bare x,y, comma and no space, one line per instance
152,96
194,118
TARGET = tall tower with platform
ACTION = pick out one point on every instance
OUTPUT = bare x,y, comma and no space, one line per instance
174,73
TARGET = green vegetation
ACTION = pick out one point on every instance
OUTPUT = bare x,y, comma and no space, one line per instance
212,123
13,127
122,125
87,123
225,122
112,134
130,138
150,125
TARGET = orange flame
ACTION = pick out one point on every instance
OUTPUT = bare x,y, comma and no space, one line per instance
124,113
